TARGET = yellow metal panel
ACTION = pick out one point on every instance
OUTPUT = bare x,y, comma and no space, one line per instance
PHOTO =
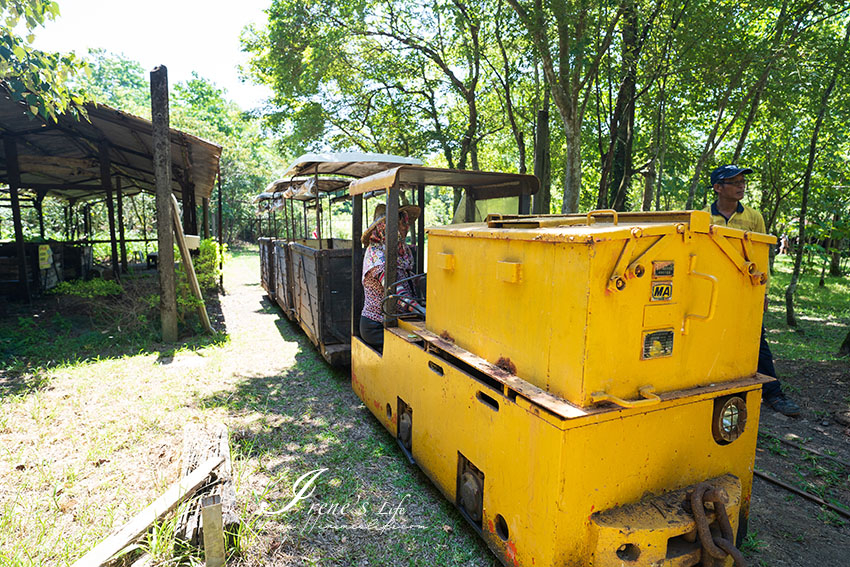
546,482
602,308
509,272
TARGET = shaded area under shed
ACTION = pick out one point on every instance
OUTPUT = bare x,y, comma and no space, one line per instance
106,156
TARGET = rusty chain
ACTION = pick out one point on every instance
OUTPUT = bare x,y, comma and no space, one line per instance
715,548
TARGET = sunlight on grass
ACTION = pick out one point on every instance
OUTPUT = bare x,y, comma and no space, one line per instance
823,315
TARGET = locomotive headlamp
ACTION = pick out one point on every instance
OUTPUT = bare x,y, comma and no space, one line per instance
729,420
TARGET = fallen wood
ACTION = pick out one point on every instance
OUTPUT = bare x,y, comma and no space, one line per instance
188,266
140,523
199,445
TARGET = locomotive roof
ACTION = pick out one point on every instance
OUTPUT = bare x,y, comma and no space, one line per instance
483,184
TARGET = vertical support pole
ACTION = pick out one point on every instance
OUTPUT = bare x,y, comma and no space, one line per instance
304,217
120,198
286,223
420,230
10,148
38,202
106,184
524,204
187,191
220,237
87,221
391,254
330,216
144,223
318,209
356,263
162,174
205,216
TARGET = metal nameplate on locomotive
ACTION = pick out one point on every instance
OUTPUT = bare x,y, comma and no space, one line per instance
662,291
663,269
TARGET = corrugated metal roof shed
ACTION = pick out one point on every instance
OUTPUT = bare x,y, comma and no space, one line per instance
62,159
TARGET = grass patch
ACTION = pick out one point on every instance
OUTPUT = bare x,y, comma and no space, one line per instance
823,314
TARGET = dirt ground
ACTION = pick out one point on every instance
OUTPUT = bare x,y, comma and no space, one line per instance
289,414
785,529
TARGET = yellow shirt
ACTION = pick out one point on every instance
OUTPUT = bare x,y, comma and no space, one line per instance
744,218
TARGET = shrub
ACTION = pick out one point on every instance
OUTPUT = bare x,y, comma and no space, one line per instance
88,289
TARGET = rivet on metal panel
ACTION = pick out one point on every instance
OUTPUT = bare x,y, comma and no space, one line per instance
680,228
637,232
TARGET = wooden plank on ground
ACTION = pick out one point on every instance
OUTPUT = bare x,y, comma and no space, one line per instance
140,523
200,444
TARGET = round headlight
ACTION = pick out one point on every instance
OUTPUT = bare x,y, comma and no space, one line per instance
730,419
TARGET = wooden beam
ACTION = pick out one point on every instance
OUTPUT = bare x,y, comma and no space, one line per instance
10,147
205,216
139,524
187,265
106,184
220,236
120,198
162,172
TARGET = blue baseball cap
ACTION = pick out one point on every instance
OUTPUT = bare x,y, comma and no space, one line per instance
727,172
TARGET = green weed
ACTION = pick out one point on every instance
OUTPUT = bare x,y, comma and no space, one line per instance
753,543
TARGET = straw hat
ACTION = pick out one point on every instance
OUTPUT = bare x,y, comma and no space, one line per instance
380,215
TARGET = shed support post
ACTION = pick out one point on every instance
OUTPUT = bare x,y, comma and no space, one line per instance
38,202
162,174
220,238
10,147
190,217
120,196
205,216
106,183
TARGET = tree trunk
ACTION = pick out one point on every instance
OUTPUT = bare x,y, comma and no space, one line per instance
834,243
542,160
790,317
572,166
622,177
844,349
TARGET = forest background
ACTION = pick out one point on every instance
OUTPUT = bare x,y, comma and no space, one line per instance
614,104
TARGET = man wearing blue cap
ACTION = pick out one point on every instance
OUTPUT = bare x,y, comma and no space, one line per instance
730,183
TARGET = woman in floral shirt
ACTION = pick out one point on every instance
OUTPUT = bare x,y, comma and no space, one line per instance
374,260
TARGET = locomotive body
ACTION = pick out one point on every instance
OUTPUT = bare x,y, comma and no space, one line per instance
576,380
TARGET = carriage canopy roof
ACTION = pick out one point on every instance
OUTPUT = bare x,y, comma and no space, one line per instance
348,164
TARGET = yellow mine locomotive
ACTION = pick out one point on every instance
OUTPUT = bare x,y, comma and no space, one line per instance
583,387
